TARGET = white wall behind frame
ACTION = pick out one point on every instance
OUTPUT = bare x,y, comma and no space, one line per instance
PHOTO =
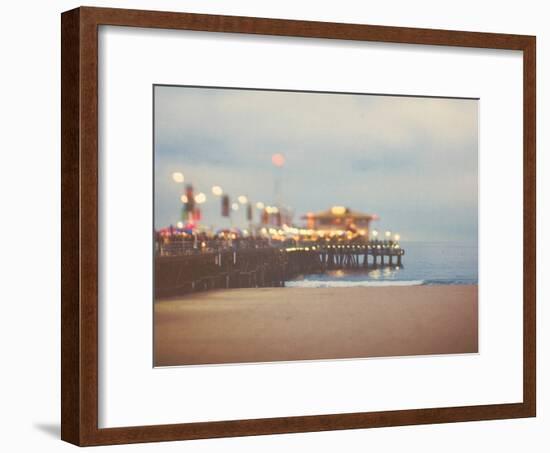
31,183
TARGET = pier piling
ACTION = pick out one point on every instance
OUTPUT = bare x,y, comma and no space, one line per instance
180,270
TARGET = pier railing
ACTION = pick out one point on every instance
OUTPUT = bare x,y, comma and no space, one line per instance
186,247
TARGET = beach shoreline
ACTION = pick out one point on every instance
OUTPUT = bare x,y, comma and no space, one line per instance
287,324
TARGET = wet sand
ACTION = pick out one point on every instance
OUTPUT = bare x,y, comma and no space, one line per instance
282,324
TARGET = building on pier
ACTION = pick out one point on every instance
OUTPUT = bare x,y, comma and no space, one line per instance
340,218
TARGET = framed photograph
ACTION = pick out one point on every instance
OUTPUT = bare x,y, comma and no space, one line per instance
278,226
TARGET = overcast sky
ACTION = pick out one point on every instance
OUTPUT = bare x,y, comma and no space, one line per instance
412,161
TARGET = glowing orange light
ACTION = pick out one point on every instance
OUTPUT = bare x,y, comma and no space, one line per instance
278,160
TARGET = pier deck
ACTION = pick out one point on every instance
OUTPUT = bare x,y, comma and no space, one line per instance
181,268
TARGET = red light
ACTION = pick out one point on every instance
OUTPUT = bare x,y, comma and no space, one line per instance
278,160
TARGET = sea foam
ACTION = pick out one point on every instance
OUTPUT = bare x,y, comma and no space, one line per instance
348,284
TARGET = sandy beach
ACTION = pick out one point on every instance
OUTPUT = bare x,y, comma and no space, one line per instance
283,324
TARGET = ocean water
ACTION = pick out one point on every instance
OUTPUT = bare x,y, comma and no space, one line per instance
424,263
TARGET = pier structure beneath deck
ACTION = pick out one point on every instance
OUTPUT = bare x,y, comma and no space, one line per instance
181,268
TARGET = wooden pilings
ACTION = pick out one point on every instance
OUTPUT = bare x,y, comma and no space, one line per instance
356,256
176,275
261,267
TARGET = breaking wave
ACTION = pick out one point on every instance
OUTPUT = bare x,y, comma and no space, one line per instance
347,284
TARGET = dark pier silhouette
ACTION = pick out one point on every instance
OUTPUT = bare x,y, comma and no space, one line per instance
183,267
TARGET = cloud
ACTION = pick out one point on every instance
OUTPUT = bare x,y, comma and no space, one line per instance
374,153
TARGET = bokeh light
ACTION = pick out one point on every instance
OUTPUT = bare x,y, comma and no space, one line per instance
278,159
338,210
178,177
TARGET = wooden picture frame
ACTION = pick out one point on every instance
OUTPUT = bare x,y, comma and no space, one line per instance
79,301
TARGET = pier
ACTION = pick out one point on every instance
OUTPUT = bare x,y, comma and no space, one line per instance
185,267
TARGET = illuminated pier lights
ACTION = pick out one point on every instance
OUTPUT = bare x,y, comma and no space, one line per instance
340,219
